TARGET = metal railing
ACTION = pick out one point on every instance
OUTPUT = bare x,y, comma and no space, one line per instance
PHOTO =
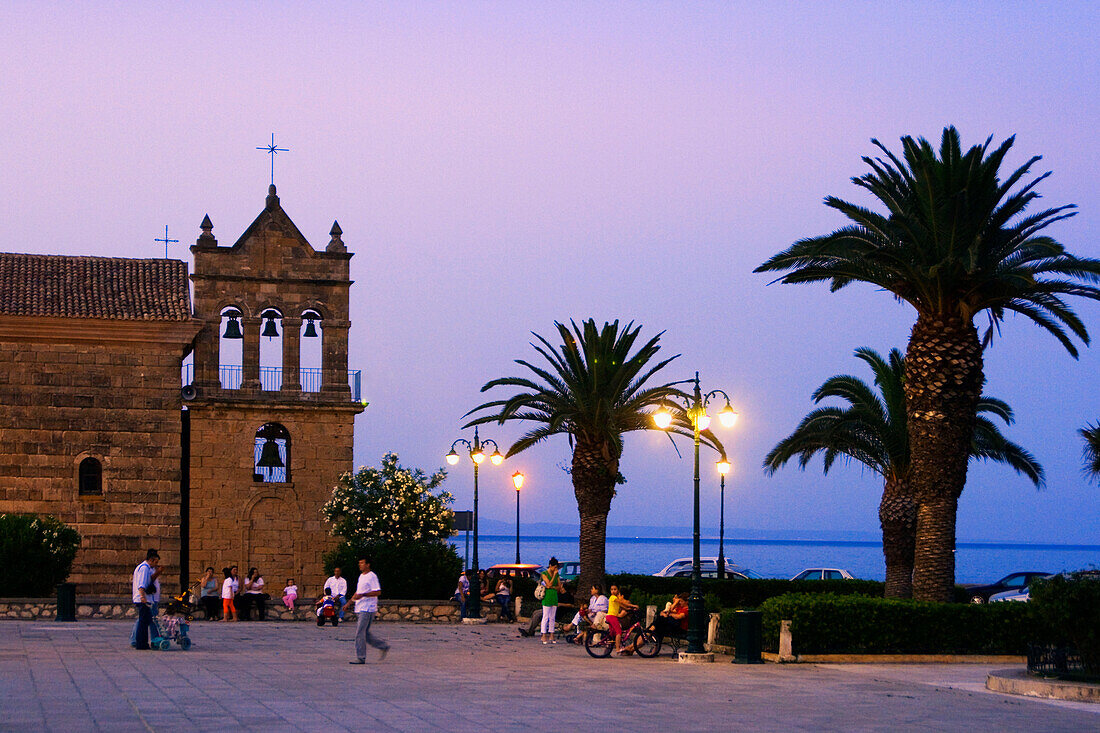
271,378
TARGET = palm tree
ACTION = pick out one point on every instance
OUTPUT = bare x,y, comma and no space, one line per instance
873,430
1091,434
954,243
594,392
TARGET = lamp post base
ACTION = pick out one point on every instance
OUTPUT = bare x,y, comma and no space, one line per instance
475,621
695,658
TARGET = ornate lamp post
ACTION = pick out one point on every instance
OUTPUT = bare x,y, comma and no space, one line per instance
477,456
696,411
723,467
517,481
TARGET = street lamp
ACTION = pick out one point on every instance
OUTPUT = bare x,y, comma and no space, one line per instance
477,455
723,467
696,411
517,481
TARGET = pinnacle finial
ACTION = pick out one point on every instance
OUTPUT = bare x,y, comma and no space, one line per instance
272,198
336,244
207,236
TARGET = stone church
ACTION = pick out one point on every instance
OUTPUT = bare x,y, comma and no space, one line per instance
144,418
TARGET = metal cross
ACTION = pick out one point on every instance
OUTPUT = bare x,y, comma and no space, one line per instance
166,241
272,150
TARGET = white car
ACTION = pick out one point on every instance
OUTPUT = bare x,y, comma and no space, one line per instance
708,566
1019,594
823,574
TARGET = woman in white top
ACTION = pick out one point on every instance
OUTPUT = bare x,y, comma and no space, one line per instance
254,590
229,589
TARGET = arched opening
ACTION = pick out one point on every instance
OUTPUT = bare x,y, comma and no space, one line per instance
311,340
90,477
230,348
271,349
272,454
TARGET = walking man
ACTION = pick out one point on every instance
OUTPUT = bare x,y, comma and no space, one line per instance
142,587
366,595
339,587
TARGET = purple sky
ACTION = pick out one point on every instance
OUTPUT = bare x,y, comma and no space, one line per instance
495,167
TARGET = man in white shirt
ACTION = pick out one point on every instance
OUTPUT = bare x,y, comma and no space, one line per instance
366,595
144,576
339,588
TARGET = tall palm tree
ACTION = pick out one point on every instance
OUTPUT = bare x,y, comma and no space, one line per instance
593,390
1091,434
953,243
873,430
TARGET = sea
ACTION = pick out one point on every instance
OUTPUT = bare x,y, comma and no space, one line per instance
975,562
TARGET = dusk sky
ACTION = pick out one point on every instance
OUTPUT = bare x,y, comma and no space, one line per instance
499,166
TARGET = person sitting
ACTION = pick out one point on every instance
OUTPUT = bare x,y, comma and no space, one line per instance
208,594
673,621
462,592
619,609
290,594
503,596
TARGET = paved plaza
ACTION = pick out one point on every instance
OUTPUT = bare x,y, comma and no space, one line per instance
274,677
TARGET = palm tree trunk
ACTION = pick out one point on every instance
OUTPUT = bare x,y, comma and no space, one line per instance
897,513
943,383
594,486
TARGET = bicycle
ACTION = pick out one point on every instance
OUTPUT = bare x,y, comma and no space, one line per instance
599,643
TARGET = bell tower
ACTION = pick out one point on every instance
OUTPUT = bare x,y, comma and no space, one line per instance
271,408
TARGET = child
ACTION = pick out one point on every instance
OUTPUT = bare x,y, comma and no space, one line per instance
290,594
326,608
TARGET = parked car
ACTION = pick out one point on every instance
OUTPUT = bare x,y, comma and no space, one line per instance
569,570
1011,583
711,573
823,574
514,570
1024,594
707,564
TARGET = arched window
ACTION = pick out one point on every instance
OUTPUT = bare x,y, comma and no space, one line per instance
271,350
272,454
90,477
309,360
230,348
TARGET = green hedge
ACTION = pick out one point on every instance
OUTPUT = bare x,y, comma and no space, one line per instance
36,553
735,593
1070,607
834,624
420,571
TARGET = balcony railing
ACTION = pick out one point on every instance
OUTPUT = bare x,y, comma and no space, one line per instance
271,378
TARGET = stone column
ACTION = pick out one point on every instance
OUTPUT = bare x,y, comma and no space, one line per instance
334,358
206,357
292,374
250,353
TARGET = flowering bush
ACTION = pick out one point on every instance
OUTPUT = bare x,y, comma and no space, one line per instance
391,504
36,553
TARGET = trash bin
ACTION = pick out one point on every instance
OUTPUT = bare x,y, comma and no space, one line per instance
748,635
66,602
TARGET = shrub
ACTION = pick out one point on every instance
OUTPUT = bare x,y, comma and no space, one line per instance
1069,608
735,593
410,570
833,624
36,553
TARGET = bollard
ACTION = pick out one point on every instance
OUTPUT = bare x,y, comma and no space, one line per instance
712,630
519,607
748,633
785,646
650,613
66,602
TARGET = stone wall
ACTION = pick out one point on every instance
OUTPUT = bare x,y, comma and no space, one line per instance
438,612
71,389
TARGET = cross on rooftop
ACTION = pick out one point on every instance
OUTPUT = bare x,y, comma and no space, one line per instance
166,241
273,150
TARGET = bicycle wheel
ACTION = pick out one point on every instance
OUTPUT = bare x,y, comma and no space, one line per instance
598,643
647,644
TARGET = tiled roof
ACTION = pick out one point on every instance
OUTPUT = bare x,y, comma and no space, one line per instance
93,287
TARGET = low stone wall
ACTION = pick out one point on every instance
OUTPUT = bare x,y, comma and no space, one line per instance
436,612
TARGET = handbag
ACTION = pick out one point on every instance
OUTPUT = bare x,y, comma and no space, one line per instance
540,592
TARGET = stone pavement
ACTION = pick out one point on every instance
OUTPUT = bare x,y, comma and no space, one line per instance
273,677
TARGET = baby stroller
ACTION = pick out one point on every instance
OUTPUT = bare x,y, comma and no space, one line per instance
168,629
185,604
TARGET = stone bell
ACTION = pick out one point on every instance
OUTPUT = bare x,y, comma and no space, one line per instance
270,329
311,330
233,328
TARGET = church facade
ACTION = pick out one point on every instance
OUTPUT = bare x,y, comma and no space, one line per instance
228,465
